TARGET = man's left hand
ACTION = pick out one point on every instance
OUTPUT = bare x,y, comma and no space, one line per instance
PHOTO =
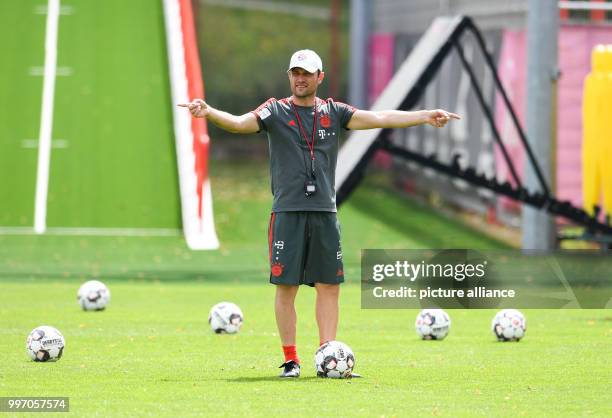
438,118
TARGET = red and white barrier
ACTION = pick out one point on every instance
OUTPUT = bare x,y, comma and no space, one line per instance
191,134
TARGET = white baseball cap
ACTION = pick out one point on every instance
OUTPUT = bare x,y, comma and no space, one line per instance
306,59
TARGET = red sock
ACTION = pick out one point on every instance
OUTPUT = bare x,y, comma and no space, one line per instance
291,353
321,343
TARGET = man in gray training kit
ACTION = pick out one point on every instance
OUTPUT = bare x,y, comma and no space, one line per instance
304,234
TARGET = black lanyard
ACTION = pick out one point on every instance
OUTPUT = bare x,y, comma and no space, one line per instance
311,143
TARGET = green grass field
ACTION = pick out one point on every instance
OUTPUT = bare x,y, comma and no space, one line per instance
114,112
23,35
152,352
117,167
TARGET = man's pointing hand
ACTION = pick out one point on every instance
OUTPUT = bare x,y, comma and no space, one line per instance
197,107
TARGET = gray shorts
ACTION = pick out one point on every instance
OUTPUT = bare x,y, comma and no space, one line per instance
304,248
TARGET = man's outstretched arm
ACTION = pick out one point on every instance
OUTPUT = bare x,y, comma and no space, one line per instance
244,124
366,119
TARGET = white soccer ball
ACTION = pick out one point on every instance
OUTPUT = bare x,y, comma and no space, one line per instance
225,317
432,324
334,359
45,343
93,296
509,325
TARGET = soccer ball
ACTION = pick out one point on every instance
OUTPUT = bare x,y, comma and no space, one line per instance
432,324
93,296
509,325
334,359
225,317
45,344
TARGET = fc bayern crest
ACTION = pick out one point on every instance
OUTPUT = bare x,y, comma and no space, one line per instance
276,269
325,121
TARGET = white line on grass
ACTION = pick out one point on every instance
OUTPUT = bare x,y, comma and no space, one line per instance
41,9
59,71
46,118
106,232
33,143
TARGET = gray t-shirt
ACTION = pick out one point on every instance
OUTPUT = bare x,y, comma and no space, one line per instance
290,162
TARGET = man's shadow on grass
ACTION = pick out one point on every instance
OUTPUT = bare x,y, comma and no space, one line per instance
255,379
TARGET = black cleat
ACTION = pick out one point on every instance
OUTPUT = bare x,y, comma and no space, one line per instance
291,369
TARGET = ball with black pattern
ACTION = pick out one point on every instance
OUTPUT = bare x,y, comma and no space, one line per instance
45,343
93,295
334,359
509,325
225,317
432,324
